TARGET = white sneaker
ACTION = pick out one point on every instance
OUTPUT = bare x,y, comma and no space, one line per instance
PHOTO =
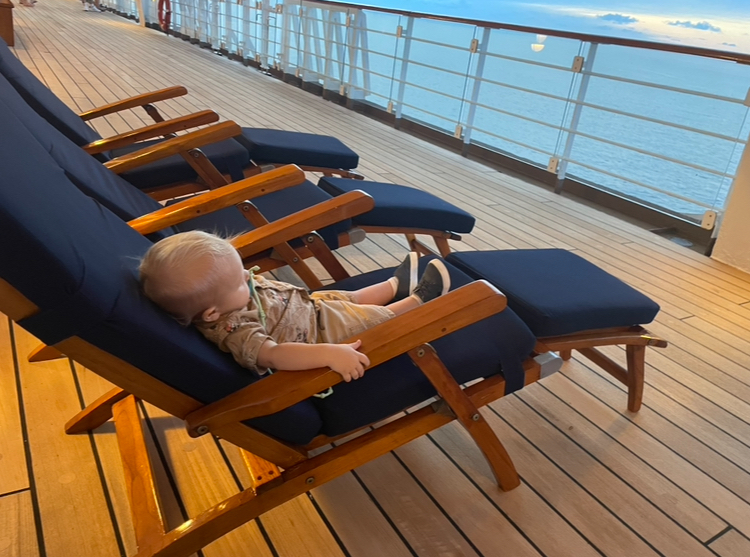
85,7
94,9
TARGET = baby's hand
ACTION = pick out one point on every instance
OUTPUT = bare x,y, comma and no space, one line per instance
347,361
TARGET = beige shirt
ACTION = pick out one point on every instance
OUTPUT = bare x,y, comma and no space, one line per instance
290,317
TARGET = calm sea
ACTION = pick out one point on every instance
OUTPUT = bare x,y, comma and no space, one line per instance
522,106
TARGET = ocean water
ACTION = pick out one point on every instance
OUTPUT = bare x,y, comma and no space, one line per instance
523,107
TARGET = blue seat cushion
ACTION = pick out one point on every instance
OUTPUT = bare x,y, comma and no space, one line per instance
228,156
402,206
498,344
273,206
557,292
304,149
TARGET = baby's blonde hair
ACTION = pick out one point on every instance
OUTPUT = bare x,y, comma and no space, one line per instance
179,272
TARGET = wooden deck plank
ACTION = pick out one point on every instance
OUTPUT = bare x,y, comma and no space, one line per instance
69,490
18,534
731,544
14,476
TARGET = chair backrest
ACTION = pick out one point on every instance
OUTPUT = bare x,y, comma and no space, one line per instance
89,175
76,261
44,101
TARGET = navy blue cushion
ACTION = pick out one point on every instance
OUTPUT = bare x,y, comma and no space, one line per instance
228,156
304,149
87,174
495,345
44,101
556,292
272,206
77,262
402,207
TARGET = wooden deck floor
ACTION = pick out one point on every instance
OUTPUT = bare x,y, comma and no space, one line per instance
672,480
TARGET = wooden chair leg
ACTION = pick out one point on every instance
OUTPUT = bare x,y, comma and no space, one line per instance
466,412
148,521
636,358
566,354
96,413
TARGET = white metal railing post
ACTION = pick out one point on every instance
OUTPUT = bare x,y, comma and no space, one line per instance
265,30
404,67
562,165
479,72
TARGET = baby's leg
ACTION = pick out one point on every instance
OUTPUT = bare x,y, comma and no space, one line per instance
376,294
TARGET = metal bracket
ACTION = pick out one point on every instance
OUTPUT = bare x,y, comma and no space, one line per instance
389,110
459,131
747,98
279,8
342,90
709,220
259,5
399,32
553,165
474,46
577,64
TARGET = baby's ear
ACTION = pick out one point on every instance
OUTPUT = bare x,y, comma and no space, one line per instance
209,315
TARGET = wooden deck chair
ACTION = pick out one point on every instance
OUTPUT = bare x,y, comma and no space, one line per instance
67,274
238,157
398,209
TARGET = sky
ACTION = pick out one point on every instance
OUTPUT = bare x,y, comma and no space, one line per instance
717,24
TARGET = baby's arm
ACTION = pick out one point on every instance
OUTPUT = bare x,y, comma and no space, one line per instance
344,359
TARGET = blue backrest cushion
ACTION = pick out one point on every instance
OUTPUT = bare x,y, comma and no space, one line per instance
77,262
44,101
91,177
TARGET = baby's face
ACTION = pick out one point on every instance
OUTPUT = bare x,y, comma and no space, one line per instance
233,292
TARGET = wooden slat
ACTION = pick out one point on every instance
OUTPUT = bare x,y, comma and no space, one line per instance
18,534
731,544
14,475
69,490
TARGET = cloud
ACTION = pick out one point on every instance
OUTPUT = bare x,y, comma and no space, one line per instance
618,18
702,26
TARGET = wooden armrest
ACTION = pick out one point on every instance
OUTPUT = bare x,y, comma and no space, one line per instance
174,146
302,222
214,200
134,102
442,316
154,130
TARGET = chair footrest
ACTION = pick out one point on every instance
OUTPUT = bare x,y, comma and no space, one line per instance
402,207
556,292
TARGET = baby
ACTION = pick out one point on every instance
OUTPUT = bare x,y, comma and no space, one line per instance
199,278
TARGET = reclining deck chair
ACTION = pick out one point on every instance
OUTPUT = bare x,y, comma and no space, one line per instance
253,148
67,274
398,209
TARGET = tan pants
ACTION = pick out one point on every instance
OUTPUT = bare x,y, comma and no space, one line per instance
339,317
